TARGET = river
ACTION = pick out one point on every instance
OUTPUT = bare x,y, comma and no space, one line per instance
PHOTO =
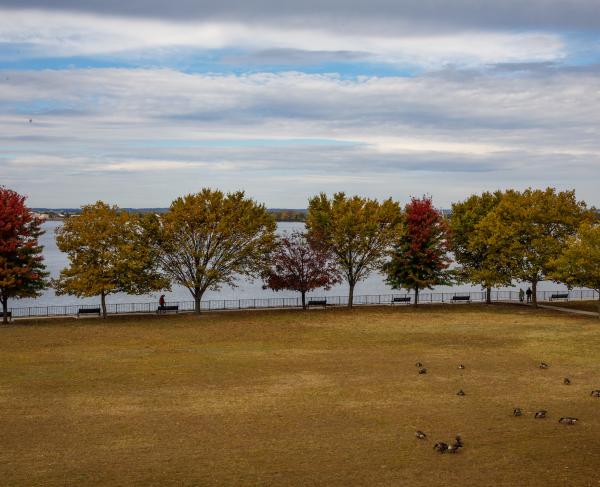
55,260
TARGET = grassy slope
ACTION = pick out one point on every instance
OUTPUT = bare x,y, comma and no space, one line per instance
290,398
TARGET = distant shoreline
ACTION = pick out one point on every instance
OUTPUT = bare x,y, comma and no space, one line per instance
60,214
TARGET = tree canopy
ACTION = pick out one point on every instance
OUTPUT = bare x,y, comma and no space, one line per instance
22,272
357,231
527,230
210,239
420,259
299,264
579,263
474,254
108,253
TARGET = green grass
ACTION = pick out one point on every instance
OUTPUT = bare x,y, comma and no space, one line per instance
324,397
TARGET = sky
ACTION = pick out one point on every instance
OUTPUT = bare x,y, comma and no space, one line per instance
138,102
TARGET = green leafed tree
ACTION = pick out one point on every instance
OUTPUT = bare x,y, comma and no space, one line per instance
210,239
527,230
357,231
22,272
579,263
474,255
108,253
420,258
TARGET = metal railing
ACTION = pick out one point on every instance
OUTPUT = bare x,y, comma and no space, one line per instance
274,303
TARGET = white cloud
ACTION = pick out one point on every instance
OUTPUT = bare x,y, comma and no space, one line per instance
141,137
49,33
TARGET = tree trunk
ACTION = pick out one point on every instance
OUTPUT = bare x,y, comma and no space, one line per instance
4,310
351,294
599,304
488,295
534,293
303,299
416,296
103,303
197,299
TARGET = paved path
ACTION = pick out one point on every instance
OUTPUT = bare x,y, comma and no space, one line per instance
569,310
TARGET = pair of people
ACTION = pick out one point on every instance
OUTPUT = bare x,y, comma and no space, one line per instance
528,293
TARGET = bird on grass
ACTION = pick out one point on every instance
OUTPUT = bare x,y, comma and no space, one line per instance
460,393
540,414
596,393
423,371
461,366
419,364
543,365
453,448
568,420
420,435
441,447
517,412
567,381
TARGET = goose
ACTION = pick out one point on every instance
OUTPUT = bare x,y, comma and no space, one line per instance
460,393
567,381
461,366
456,445
423,371
419,364
419,434
540,414
517,412
543,365
596,393
568,420
441,447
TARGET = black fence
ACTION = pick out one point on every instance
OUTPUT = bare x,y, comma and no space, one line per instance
274,303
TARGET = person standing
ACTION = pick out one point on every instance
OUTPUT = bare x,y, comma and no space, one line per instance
161,302
521,295
529,293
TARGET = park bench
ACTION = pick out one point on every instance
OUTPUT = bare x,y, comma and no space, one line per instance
8,315
317,302
461,298
164,309
559,296
88,311
403,299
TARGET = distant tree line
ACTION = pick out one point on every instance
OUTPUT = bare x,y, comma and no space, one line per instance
210,239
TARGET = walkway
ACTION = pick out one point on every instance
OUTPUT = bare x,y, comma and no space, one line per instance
569,310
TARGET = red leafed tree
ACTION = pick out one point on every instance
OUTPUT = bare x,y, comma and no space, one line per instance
21,263
420,257
300,265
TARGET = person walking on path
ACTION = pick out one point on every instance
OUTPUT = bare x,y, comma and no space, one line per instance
161,302
521,295
529,293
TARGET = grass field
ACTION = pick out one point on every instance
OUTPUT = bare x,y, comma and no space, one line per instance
325,397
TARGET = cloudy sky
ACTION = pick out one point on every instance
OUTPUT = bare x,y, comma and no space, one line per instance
136,102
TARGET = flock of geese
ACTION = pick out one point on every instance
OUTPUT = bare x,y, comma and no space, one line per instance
453,447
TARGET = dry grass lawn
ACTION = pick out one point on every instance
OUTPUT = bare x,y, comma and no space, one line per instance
325,397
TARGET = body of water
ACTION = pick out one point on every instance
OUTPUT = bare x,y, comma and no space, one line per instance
375,284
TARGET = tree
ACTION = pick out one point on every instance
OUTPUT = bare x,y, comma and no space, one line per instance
357,231
579,263
108,253
527,230
299,264
473,254
420,258
21,263
209,239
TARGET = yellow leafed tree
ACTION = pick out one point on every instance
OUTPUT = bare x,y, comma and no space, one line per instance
108,253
